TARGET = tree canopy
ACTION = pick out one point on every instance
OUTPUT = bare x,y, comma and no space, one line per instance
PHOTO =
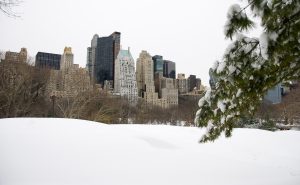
251,66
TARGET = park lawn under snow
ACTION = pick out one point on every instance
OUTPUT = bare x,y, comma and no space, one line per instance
75,152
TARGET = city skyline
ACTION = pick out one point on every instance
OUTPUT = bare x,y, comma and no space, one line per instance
188,33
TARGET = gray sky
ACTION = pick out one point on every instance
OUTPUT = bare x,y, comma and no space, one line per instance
188,32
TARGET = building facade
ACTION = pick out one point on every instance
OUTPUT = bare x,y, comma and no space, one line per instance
158,64
101,57
47,60
169,91
182,84
125,79
15,56
67,59
70,80
145,80
169,69
192,82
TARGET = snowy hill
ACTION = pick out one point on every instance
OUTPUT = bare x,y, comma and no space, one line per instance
75,152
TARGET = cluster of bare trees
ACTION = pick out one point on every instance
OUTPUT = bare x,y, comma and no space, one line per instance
22,90
104,108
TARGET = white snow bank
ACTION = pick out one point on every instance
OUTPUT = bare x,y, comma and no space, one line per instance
76,152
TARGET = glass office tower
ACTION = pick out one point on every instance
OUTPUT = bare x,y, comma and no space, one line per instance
47,60
169,69
101,57
158,64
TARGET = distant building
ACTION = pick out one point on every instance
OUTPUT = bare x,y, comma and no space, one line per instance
125,79
168,90
169,69
67,59
15,56
70,80
158,64
274,95
182,84
101,57
108,86
145,80
47,60
192,82
198,83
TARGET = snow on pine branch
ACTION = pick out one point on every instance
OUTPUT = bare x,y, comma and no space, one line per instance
251,66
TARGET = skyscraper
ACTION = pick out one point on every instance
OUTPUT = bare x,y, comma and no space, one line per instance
70,79
101,57
192,82
67,59
182,83
47,60
145,80
169,69
158,64
125,80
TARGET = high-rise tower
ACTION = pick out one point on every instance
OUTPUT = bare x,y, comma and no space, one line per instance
67,59
169,69
47,60
101,57
125,80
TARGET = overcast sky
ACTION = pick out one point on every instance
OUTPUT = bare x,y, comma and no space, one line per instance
188,32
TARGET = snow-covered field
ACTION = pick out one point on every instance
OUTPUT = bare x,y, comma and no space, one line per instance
75,152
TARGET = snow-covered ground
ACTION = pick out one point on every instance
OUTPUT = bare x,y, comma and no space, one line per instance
75,152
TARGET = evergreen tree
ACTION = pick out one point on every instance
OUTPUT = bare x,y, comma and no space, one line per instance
251,66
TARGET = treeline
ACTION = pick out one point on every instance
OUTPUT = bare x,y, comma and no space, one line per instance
22,94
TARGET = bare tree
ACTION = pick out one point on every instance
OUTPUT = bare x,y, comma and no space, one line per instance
21,89
6,6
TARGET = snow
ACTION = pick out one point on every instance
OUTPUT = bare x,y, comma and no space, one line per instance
221,105
263,41
231,69
75,152
201,102
256,65
215,65
273,36
221,67
207,95
233,9
229,48
288,1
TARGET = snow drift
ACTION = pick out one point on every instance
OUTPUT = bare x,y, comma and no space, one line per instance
75,152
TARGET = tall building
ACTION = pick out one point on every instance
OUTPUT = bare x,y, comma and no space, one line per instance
47,60
144,73
158,64
169,69
125,79
145,80
182,84
70,80
192,82
15,56
168,90
198,83
101,57
67,59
